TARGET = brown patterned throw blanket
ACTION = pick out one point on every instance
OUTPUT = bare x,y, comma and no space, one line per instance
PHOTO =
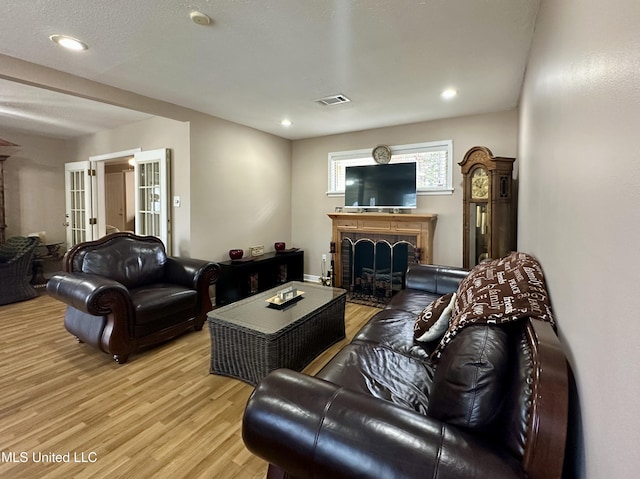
497,292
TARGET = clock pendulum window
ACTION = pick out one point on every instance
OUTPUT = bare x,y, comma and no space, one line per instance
489,209
479,212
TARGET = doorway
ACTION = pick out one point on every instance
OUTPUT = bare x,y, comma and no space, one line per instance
119,198
126,191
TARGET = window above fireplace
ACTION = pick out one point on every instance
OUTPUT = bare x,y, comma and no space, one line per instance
433,160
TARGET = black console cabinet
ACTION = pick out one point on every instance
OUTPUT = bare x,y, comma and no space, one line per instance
242,278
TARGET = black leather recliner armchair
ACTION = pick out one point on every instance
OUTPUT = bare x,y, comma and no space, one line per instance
124,293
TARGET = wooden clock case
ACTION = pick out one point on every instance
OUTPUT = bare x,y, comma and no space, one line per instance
489,214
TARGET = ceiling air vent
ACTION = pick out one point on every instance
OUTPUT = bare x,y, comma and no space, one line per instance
332,100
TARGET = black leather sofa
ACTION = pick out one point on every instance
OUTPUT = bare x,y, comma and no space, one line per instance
493,406
124,293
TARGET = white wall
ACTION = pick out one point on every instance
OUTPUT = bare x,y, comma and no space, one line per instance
34,185
234,182
579,213
240,188
151,134
311,228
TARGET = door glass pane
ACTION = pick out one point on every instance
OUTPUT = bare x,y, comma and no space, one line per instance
149,191
77,217
152,190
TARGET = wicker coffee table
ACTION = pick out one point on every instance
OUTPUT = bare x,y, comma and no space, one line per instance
250,338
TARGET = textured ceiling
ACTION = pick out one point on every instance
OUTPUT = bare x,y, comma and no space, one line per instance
260,61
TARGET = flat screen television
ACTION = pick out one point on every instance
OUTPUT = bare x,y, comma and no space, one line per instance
380,186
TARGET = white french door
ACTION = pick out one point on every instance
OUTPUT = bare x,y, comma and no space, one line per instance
151,180
85,196
78,190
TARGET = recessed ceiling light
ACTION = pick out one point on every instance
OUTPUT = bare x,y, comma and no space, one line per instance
449,93
286,122
200,18
69,43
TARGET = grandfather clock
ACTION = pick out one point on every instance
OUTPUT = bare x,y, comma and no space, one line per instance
489,206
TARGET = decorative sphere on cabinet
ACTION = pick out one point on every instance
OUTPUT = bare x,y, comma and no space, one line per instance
236,253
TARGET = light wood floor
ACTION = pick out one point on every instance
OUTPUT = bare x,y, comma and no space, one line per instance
159,415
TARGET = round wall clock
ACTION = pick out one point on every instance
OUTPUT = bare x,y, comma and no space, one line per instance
381,154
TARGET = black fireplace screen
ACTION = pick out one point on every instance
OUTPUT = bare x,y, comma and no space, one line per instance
374,267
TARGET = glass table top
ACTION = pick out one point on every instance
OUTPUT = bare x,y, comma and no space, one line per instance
256,313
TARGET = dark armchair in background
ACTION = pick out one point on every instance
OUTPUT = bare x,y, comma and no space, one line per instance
16,255
124,293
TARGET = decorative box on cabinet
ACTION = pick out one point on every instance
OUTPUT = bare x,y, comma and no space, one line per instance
240,279
489,213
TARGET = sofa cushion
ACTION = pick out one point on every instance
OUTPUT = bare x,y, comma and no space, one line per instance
161,300
433,321
131,263
161,305
393,329
471,378
382,373
412,300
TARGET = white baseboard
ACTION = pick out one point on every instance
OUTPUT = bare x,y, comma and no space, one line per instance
312,278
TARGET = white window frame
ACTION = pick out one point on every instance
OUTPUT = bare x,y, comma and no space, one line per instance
363,157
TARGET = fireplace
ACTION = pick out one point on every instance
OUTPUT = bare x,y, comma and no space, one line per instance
372,250
374,266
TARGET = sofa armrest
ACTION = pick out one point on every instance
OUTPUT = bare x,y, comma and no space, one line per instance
434,278
89,293
313,428
190,272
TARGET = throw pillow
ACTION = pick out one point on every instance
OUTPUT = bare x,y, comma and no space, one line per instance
433,321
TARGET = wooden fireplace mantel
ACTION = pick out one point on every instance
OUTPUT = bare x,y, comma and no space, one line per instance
419,226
